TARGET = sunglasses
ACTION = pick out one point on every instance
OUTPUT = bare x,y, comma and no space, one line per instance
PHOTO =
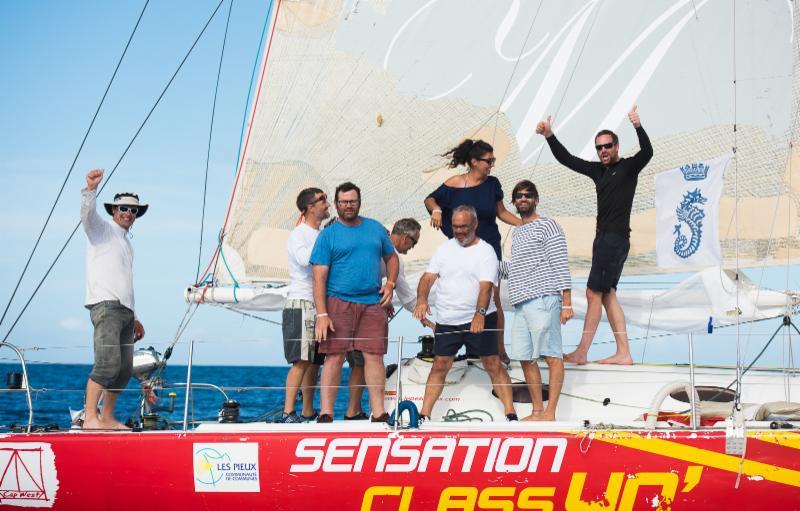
124,209
604,146
321,198
414,240
523,195
489,161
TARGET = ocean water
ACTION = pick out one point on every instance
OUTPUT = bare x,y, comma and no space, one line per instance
57,388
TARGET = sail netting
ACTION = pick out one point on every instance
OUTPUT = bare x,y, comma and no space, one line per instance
374,92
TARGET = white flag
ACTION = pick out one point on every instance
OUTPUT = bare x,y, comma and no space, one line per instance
687,213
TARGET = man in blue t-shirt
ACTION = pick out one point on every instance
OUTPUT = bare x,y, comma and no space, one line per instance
351,303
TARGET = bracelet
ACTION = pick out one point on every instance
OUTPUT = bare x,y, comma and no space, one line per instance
566,306
437,210
323,315
391,283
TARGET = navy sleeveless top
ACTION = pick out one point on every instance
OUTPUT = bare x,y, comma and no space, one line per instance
483,198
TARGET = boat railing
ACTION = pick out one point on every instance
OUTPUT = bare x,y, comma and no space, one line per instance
25,382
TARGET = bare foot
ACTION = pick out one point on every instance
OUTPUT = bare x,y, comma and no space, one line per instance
533,416
118,426
545,416
95,423
623,359
576,358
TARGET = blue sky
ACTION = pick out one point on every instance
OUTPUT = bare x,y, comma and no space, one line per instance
58,58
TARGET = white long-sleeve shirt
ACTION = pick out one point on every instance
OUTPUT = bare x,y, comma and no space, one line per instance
109,257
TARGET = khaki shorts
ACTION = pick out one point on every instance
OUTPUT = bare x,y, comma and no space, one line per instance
357,327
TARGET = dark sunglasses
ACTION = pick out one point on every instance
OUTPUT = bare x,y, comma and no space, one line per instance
489,161
321,198
604,146
414,240
124,209
523,195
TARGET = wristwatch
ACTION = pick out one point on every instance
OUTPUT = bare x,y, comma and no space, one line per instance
481,311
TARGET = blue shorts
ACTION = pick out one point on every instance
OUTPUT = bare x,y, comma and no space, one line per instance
537,329
448,339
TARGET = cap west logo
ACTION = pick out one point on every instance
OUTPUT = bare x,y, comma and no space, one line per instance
27,475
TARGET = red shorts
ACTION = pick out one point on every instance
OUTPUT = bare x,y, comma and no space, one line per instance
358,327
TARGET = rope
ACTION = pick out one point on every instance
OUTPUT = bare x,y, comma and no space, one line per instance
208,150
72,166
113,170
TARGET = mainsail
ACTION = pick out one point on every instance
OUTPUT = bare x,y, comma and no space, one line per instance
373,91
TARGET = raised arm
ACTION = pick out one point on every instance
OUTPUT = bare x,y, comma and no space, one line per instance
645,153
560,152
506,216
93,224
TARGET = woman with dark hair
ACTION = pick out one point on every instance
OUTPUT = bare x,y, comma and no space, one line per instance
478,189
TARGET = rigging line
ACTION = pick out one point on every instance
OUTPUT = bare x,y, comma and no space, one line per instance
514,70
113,170
569,80
739,374
210,136
74,161
252,316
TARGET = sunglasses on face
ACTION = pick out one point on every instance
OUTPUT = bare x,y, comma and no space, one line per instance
414,240
523,195
489,161
321,198
124,209
604,146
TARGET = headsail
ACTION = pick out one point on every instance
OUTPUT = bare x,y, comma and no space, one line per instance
374,91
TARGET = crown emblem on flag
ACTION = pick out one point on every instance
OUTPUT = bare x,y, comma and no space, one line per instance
695,171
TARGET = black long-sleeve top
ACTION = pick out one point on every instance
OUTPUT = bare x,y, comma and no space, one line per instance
615,185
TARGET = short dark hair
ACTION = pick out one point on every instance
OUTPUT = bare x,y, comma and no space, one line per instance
406,226
306,198
525,185
614,136
346,187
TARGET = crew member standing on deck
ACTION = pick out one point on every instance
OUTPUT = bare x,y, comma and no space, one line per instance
615,181
351,302
109,298
299,314
466,270
476,188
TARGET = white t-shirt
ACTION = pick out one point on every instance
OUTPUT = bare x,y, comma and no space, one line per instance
460,271
301,242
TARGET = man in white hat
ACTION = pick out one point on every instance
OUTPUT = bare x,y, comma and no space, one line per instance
109,298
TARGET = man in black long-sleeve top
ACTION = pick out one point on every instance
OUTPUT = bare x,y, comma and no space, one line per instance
615,180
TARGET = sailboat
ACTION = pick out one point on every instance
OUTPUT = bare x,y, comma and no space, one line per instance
373,91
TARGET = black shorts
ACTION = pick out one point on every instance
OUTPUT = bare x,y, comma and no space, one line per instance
609,252
448,339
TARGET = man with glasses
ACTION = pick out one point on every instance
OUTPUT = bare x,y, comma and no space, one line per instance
539,287
615,182
404,236
109,298
465,268
350,300
299,314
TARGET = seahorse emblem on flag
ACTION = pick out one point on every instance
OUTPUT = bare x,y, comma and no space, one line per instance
689,213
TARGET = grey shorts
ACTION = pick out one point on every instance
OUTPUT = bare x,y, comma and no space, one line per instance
113,344
299,319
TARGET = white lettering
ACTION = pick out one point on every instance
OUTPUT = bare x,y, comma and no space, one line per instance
503,464
340,448
472,445
407,448
302,451
442,448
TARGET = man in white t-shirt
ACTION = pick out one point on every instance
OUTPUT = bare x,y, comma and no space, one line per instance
466,269
299,314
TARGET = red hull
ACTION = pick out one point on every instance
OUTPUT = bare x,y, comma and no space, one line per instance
378,470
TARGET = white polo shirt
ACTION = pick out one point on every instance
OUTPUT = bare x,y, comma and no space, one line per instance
109,257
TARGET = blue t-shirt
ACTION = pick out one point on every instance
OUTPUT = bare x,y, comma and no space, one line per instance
353,255
483,198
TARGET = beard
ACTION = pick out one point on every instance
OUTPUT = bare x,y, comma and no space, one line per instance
466,240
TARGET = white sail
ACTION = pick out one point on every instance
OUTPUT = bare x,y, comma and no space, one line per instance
374,91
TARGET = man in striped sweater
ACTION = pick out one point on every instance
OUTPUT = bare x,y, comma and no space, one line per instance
539,287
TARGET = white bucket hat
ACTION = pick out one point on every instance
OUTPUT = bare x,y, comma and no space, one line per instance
126,199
